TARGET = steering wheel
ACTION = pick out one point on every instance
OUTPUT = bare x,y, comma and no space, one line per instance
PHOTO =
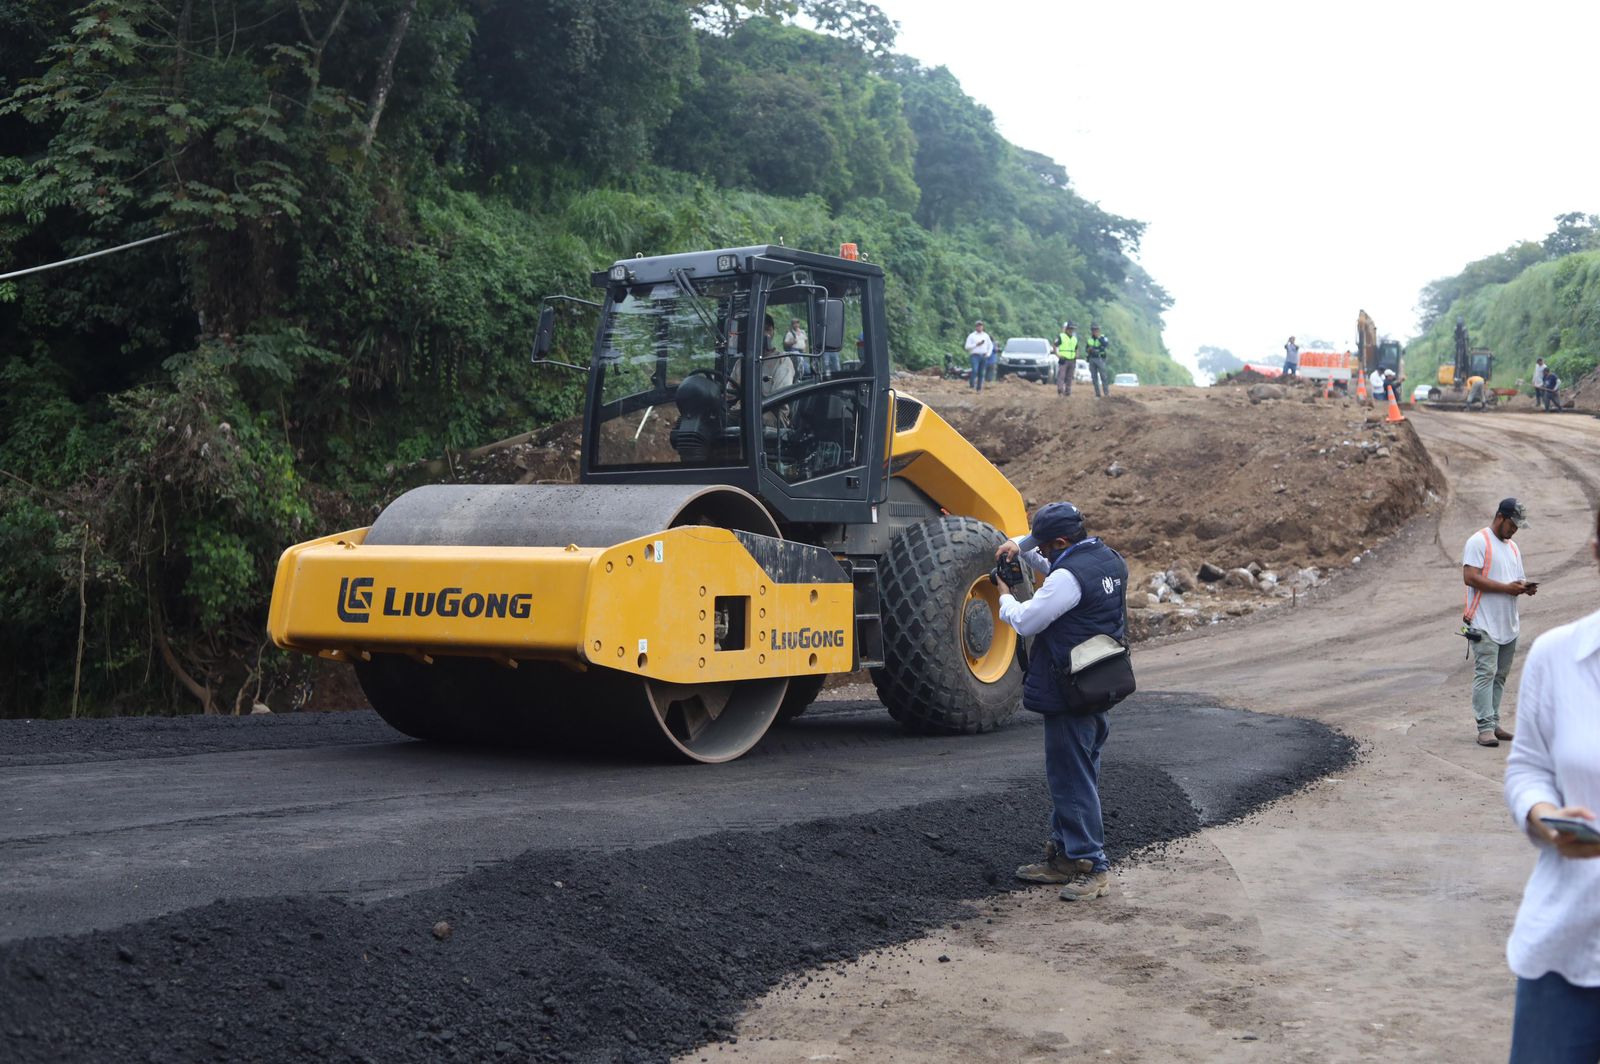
715,374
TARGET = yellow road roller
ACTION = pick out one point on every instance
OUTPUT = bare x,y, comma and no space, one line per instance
757,509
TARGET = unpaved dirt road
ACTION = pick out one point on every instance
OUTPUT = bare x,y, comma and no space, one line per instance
1362,920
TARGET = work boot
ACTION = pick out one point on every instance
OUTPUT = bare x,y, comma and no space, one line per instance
1487,738
1501,734
1086,885
1055,868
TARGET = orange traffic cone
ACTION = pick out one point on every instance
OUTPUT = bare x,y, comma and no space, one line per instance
1394,408
1361,387
1327,388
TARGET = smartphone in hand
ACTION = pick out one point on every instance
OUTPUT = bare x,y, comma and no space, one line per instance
1584,830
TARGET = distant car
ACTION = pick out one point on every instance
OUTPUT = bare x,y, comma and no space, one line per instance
1081,373
1027,356
1421,393
1125,380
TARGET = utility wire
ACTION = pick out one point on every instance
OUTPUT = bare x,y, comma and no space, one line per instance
93,254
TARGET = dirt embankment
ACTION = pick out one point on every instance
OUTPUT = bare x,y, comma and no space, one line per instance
1193,483
1222,501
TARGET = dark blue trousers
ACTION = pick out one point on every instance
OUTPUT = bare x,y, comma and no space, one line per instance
1072,767
1556,1022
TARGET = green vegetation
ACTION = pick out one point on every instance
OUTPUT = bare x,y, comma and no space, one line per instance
1531,300
365,200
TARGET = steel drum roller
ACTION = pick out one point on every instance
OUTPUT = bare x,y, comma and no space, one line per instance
540,703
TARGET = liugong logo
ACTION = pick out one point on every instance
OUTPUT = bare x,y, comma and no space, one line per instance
356,597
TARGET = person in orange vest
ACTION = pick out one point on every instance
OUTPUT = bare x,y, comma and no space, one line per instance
1491,567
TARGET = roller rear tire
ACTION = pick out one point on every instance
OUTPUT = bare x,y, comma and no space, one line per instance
949,661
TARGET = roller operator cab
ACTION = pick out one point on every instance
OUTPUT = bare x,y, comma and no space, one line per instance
757,510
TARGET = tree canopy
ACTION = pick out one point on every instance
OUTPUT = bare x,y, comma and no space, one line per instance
359,205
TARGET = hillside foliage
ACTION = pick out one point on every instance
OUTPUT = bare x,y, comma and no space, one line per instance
1532,300
362,202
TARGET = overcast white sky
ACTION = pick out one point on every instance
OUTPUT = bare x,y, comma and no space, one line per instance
1295,163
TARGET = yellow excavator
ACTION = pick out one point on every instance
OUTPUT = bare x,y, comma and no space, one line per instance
1464,383
750,519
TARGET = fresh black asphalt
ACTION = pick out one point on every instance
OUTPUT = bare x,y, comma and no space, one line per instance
269,888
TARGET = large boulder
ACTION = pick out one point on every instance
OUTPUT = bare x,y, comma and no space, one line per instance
1241,578
1181,580
1211,573
1258,392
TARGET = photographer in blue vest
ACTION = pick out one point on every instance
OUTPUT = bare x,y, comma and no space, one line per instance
1084,594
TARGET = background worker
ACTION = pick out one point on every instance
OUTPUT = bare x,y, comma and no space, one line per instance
1554,770
1084,594
1491,567
795,341
797,345
1098,349
979,345
1540,373
1391,385
1552,391
1291,360
1067,358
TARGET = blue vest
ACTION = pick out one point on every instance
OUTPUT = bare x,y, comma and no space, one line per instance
1103,577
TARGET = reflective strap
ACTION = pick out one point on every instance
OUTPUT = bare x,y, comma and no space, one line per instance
1474,596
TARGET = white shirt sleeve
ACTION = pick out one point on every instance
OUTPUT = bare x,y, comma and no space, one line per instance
1058,594
1531,769
1032,556
1472,553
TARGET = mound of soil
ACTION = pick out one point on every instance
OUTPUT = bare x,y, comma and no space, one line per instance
1178,478
1585,394
1243,378
1174,478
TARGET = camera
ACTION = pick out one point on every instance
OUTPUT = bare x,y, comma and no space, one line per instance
1007,572
1471,633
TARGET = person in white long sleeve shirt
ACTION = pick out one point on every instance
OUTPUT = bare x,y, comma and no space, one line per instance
1058,594
979,345
1554,770
1083,595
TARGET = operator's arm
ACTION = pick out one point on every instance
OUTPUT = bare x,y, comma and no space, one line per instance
1026,550
1058,594
1473,577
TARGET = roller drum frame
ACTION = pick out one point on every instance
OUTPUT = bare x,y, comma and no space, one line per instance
541,703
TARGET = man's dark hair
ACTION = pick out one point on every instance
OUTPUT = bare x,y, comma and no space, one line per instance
1078,536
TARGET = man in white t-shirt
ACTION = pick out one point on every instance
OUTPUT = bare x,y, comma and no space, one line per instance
1491,567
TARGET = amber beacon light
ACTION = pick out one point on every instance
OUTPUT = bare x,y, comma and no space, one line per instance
849,251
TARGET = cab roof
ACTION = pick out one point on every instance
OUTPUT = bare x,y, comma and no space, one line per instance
757,257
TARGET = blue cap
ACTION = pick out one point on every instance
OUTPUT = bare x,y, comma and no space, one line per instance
1057,520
